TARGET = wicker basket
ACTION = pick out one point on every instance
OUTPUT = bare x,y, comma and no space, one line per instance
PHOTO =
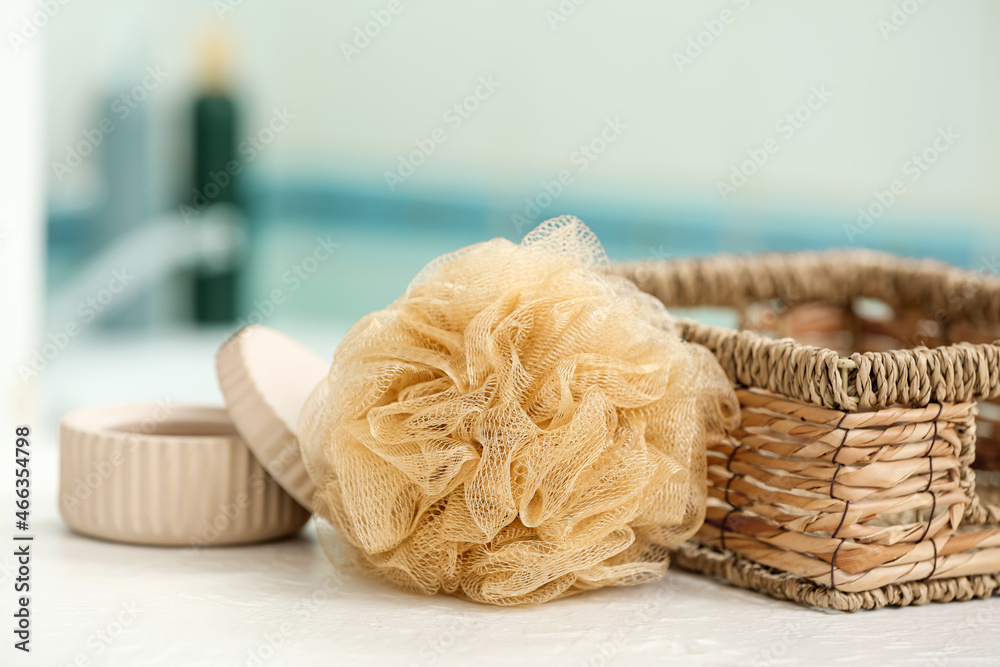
852,480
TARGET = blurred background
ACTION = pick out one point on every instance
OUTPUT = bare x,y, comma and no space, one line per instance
203,164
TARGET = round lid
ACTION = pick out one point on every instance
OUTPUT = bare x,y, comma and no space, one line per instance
265,377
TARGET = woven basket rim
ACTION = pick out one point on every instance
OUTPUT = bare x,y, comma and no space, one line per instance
956,372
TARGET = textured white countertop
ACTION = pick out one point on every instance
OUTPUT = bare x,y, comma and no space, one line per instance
98,603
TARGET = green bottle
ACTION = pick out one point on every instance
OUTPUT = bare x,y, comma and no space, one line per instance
215,126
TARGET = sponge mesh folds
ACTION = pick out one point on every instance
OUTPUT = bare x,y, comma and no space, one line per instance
519,426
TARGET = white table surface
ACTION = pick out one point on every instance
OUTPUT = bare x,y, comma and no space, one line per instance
99,603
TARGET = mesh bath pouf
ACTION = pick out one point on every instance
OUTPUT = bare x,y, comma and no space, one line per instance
519,426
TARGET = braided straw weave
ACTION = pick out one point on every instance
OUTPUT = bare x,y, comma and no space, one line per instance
852,480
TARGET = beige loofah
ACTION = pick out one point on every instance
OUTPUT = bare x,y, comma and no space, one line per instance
517,427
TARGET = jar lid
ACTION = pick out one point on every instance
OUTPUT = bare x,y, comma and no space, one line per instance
265,377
